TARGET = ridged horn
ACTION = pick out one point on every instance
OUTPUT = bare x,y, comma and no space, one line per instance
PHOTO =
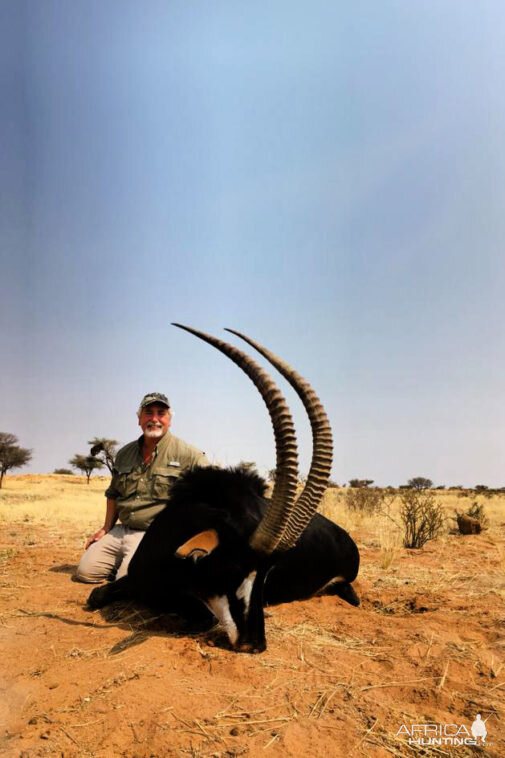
322,447
278,513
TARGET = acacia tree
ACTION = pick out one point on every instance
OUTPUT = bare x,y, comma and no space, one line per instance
86,463
419,483
11,455
108,449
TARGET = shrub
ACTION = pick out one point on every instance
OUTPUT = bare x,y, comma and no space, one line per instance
423,518
63,471
364,500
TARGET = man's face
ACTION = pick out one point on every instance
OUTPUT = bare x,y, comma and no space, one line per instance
154,420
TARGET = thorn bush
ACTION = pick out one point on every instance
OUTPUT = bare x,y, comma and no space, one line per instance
423,517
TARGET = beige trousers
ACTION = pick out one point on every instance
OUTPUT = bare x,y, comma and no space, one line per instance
108,558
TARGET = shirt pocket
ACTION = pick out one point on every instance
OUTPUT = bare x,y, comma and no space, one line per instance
162,481
126,482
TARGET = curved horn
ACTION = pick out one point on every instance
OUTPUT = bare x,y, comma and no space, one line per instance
322,443
270,531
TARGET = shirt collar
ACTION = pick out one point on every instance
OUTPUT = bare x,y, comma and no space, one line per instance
159,446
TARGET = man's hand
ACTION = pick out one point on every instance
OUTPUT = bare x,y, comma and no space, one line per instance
95,537
110,520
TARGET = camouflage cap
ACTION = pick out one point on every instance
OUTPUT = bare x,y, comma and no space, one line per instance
154,397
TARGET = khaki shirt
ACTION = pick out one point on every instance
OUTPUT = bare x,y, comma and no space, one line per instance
141,491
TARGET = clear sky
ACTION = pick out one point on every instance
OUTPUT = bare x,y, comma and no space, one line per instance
326,177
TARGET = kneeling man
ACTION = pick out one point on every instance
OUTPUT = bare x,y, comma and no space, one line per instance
144,471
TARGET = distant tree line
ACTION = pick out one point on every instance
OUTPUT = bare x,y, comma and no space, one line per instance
422,483
103,452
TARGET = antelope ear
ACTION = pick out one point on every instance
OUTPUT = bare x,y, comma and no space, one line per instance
199,546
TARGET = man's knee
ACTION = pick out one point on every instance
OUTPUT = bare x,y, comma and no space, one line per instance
95,566
87,577
90,573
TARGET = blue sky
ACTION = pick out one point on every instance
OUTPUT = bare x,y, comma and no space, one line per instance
326,177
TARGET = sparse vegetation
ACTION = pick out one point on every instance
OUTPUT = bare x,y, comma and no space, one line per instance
360,483
476,510
422,516
366,500
489,492
11,455
87,464
407,639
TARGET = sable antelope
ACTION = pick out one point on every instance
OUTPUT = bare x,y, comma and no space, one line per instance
222,542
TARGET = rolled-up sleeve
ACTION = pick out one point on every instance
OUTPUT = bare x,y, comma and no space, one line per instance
112,492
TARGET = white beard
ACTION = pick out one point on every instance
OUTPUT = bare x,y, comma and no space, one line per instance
153,432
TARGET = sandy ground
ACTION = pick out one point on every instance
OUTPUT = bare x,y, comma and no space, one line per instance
425,647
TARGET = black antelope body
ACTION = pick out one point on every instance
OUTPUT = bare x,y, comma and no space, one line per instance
221,542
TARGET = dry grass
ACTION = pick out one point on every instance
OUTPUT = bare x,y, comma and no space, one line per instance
426,645
61,500
53,499
384,530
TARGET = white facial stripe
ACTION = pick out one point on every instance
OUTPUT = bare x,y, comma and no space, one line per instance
221,610
244,591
